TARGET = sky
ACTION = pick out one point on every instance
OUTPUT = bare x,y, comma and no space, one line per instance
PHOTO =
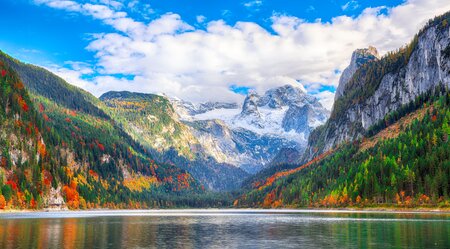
206,50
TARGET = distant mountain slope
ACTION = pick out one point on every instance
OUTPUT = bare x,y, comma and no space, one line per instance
151,120
381,86
405,165
42,82
82,156
251,137
386,139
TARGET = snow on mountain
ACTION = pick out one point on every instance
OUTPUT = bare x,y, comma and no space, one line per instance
253,135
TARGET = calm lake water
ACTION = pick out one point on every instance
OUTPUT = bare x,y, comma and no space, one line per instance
224,229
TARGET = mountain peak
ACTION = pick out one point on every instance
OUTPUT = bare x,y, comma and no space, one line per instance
360,57
250,106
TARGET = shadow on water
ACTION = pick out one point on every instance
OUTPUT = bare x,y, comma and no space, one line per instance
243,229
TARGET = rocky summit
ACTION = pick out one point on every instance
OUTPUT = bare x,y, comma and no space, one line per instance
250,137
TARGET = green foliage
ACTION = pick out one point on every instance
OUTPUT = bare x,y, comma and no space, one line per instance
68,141
149,118
411,169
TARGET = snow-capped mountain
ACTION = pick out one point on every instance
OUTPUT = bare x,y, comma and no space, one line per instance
251,136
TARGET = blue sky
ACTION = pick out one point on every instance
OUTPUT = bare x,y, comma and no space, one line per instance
198,49
37,33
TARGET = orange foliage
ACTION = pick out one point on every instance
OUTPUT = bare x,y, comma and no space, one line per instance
41,148
19,85
47,178
183,181
93,174
72,196
329,201
33,204
424,199
270,198
23,104
4,162
168,179
281,174
2,202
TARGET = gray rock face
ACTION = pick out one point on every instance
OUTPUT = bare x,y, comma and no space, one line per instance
247,149
427,67
187,108
250,107
298,111
280,118
359,58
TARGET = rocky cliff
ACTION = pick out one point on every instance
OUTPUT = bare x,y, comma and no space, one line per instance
383,85
359,58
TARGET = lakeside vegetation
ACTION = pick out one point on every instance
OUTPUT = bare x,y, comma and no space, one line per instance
412,169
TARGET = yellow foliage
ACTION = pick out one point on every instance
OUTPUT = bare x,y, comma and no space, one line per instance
140,183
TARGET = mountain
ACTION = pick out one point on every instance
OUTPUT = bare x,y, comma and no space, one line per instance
250,137
60,148
151,120
359,58
387,138
404,165
381,86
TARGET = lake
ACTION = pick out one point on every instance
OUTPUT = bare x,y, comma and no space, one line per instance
224,229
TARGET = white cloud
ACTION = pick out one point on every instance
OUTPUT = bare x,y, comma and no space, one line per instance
168,55
326,98
254,3
201,19
351,5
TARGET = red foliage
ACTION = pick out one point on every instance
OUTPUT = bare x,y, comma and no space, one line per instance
18,123
41,107
47,178
434,118
68,120
19,85
93,174
23,104
46,118
12,184
3,72
100,146
28,130
3,162
183,181
33,204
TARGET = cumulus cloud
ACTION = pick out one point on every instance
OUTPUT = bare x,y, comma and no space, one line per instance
171,56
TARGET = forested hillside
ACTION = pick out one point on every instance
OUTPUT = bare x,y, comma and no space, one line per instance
405,164
57,152
152,121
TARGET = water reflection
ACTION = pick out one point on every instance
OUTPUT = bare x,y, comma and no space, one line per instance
237,230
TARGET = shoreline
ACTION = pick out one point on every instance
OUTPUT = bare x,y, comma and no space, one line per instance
206,211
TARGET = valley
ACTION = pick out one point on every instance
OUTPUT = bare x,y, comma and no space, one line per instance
384,143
